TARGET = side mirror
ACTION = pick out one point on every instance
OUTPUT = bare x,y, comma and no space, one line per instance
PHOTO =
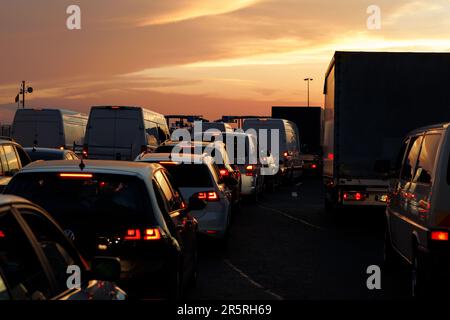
230,181
196,204
105,268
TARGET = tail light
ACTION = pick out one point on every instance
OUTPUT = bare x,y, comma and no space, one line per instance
354,196
439,235
85,151
148,234
207,196
249,170
223,172
285,154
314,166
2,234
76,175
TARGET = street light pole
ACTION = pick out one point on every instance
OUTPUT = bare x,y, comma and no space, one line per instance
308,80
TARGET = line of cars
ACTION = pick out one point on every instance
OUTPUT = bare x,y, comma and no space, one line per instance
134,224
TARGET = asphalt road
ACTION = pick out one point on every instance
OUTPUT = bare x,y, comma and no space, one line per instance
285,246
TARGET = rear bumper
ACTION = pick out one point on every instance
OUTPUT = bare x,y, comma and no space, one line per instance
213,223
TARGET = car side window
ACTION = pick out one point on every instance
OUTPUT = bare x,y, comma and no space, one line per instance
167,190
19,263
23,156
164,207
4,294
12,159
4,162
178,199
60,254
427,157
409,164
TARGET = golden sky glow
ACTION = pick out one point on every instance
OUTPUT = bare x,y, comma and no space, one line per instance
206,57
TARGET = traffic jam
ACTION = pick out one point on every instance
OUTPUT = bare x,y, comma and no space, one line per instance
250,202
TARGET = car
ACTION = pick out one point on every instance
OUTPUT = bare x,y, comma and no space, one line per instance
217,151
198,176
12,158
50,154
418,212
35,257
121,209
122,133
288,149
242,150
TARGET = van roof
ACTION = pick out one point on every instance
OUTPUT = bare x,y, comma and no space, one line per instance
443,125
63,111
97,166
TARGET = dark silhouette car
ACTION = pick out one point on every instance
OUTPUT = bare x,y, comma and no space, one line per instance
35,257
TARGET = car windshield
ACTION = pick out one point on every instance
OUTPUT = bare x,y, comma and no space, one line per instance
45,155
190,175
101,202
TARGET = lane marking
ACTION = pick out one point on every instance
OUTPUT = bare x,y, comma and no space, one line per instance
253,282
291,217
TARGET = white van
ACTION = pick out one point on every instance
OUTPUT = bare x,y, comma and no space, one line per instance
288,152
418,211
122,133
49,128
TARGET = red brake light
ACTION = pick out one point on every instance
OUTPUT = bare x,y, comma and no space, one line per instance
223,172
2,234
358,196
115,107
152,234
76,175
133,234
330,156
439,235
207,196
354,196
314,166
249,170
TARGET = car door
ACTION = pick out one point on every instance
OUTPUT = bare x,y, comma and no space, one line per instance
182,221
422,183
402,200
25,274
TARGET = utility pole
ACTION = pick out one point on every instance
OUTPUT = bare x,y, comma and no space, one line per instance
308,80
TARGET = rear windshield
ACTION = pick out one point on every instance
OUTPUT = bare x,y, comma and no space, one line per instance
103,202
43,155
190,175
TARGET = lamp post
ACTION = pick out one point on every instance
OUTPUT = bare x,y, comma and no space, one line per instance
308,80
22,91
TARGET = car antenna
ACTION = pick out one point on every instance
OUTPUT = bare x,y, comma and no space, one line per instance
82,165
34,145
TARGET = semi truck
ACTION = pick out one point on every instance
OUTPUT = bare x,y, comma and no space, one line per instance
372,100
309,122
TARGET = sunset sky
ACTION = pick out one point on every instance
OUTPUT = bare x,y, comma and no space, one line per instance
205,57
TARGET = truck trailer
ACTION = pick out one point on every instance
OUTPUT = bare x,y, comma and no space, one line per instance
372,100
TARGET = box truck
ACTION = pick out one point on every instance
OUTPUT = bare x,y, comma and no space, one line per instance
309,123
372,100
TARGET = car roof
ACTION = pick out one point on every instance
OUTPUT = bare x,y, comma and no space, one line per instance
443,125
96,166
7,199
48,150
